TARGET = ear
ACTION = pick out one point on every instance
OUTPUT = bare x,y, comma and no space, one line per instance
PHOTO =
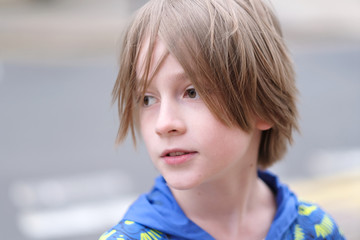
262,125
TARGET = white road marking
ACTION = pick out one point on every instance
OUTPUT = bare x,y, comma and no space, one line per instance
326,162
82,219
71,206
56,192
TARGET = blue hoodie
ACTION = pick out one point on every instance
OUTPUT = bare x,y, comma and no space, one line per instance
156,215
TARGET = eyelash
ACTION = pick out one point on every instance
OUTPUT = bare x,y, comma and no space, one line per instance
150,100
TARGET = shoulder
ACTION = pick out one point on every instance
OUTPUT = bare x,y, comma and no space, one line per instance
129,230
313,223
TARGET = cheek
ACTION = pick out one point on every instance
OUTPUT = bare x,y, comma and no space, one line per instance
222,141
145,127
142,125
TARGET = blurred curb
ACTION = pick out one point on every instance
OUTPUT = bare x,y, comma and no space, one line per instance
61,31
31,30
338,194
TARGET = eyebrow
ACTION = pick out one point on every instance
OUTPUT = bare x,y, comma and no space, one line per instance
181,76
177,76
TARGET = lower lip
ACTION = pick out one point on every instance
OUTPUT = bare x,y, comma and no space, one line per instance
177,160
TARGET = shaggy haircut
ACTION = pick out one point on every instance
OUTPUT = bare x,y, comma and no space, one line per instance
234,54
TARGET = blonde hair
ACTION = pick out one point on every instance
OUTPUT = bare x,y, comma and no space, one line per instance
234,54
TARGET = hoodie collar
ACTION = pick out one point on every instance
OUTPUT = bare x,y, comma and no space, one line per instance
159,210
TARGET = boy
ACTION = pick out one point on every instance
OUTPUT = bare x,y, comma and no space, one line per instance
210,87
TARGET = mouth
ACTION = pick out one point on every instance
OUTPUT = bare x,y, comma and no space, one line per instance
175,153
176,157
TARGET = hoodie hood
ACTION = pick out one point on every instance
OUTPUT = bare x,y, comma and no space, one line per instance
159,210
286,203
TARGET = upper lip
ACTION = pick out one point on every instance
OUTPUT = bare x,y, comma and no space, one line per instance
168,151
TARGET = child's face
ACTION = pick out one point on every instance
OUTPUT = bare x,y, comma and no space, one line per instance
186,142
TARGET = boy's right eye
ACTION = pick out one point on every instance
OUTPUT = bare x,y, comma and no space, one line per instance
149,100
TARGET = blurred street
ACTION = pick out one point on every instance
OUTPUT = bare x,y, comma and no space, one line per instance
61,176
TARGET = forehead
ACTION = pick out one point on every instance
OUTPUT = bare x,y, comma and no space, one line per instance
150,56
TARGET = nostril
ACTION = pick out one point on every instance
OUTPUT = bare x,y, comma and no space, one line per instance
169,125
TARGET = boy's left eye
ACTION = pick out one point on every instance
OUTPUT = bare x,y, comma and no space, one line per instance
191,93
148,100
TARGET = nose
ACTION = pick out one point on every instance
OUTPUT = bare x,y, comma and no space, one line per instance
170,120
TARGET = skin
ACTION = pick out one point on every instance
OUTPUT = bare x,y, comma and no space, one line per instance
204,162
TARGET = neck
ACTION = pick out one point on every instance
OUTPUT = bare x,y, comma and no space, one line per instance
226,194
227,207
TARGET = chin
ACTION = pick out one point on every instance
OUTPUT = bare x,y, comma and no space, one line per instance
181,182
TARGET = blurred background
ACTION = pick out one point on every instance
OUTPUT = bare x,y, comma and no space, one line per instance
61,176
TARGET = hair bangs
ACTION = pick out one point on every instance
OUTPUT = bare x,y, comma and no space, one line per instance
233,53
